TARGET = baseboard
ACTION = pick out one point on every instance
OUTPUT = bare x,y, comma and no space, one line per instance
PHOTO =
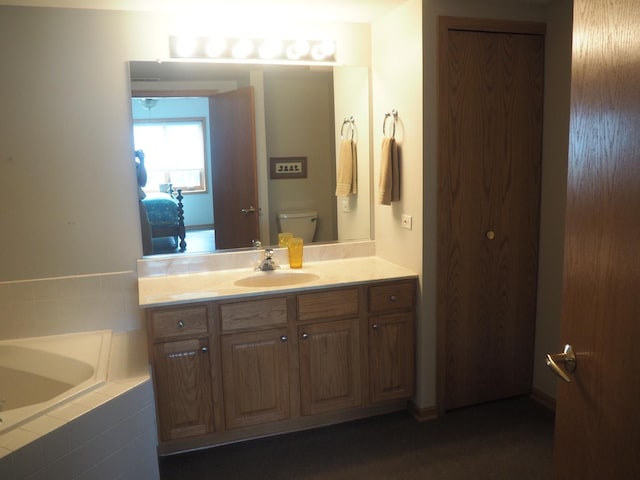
422,414
543,399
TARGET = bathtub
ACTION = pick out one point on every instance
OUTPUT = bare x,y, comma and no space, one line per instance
38,374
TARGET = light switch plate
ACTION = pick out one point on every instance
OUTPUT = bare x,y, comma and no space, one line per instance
407,221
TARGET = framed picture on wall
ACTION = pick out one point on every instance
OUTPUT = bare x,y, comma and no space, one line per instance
288,167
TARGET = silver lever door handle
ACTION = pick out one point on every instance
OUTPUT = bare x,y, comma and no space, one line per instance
568,357
246,211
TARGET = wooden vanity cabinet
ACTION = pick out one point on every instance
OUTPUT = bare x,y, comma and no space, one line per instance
180,357
234,369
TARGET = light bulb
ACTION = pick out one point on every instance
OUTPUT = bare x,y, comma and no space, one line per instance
186,46
270,49
215,47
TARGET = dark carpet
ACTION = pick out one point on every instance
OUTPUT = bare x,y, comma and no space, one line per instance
509,439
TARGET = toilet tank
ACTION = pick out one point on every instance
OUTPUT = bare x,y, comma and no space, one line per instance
300,224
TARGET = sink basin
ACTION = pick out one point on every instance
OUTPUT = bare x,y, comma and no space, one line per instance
276,279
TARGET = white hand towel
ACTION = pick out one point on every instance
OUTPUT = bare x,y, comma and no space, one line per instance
347,173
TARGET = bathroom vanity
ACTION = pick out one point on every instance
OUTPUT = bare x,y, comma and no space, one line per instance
234,362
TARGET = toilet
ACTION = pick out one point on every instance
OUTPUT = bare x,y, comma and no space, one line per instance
301,224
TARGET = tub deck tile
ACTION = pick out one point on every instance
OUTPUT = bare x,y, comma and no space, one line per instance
43,425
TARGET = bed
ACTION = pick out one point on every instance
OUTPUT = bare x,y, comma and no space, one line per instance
166,216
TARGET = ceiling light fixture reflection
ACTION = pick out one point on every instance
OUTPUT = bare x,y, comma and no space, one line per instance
298,49
253,50
186,46
215,47
270,49
242,49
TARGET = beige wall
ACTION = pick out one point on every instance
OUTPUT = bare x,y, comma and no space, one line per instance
397,84
554,186
399,81
65,145
299,123
65,136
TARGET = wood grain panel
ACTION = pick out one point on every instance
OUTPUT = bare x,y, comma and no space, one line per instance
254,314
329,366
234,167
255,374
392,296
327,305
183,386
179,322
597,424
489,183
391,353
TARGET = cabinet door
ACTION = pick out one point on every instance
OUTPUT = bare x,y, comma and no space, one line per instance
391,356
255,376
329,366
183,382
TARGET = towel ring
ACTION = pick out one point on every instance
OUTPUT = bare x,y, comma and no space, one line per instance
394,116
351,129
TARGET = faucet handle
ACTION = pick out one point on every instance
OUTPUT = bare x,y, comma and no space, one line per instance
268,253
256,243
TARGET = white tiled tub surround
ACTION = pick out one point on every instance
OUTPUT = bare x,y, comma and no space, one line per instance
80,303
110,432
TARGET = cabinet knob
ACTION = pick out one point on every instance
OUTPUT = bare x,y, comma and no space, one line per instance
180,324
204,349
283,338
393,298
305,336
374,326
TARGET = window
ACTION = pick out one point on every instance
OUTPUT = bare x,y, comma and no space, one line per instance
174,153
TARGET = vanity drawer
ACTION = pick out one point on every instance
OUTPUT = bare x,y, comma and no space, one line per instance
391,296
179,322
330,304
252,315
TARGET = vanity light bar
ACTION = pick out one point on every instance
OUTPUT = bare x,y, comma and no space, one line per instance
252,49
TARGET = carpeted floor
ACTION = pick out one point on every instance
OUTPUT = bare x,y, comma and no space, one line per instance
510,439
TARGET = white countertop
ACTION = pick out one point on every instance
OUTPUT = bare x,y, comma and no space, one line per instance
215,285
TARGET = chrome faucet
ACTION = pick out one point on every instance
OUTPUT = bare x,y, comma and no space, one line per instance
268,263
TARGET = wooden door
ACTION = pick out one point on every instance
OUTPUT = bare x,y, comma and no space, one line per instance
183,384
255,375
233,168
597,422
329,366
491,87
391,356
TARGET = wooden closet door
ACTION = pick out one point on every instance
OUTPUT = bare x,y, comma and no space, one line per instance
489,182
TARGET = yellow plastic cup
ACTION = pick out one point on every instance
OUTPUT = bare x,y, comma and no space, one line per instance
295,252
283,238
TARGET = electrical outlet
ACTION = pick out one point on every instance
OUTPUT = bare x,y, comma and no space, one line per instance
346,206
407,221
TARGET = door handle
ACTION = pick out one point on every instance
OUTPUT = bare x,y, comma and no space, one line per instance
246,211
568,358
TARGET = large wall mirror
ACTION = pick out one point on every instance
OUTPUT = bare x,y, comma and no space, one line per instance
226,135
